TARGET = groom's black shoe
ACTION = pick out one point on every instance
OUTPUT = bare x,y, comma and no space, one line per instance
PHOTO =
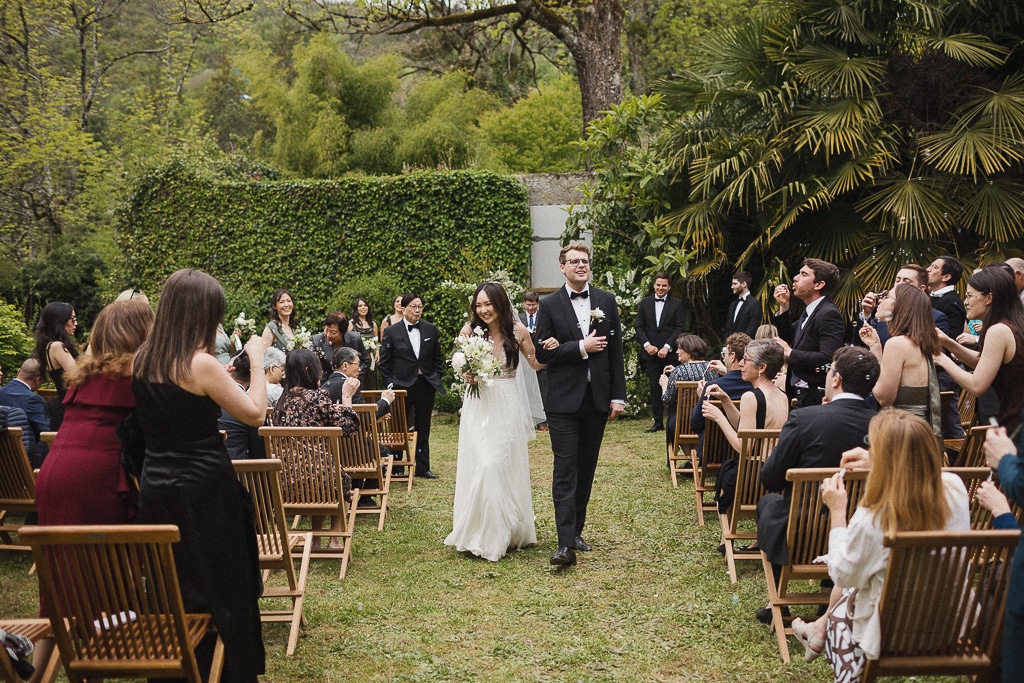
655,428
565,557
582,545
426,475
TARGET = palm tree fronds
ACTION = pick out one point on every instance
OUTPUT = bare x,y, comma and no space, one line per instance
970,48
962,150
841,126
908,207
833,70
996,209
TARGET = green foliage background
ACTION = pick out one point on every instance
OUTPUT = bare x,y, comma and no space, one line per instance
317,238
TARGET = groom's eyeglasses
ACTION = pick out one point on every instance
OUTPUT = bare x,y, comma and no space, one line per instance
578,262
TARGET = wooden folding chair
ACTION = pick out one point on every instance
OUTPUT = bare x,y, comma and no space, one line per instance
17,486
806,538
360,456
981,517
683,446
35,630
973,452
393,432
943,603
755,446
262,479
714,450
967,407
311,477
115,605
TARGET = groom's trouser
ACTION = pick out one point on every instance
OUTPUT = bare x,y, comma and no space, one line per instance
655,367
575,442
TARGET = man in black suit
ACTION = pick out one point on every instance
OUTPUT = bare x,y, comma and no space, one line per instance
745,312
21,393
345,361
810,341
943,273
410,359
815,436
659,321
586,388
334,337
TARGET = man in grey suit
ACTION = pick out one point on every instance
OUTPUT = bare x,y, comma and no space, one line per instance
815,436
586,388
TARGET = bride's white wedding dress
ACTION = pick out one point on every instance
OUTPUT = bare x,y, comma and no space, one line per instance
493,503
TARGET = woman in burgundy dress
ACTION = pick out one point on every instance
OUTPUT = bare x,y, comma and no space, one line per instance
81,480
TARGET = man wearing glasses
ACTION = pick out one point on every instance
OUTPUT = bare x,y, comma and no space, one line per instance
410,359
586,388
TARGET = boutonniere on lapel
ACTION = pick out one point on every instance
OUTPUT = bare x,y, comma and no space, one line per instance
596,316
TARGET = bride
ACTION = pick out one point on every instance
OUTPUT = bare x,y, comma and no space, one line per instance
493,503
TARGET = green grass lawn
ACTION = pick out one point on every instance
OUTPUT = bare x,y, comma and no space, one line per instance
651,603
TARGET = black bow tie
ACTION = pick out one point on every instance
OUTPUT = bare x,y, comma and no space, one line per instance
413,326
580,295
661,300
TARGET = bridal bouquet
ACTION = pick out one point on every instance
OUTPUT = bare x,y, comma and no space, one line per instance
371,345
247,326
301,340
475,357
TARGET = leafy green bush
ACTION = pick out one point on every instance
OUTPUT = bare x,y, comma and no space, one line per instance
15,341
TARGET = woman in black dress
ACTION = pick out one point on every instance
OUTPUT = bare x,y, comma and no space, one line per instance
187,478
57,353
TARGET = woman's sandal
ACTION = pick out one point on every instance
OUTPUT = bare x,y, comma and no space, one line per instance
813,646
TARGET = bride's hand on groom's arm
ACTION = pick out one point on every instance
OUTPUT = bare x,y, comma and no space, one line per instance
550,343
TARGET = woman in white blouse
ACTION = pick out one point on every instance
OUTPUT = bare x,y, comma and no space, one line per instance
905,491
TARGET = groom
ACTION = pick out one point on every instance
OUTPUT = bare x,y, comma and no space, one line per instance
586,388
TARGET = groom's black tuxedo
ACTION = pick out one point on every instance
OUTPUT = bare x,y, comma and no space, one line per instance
419,375
577,400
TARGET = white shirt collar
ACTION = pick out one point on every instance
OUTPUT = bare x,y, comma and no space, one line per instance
942,291
844,395
813,305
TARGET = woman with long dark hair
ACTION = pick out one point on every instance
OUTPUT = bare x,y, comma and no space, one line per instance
283,321
396,315
999,361
187,478
304,404
57,352
362,324
493,510
908,380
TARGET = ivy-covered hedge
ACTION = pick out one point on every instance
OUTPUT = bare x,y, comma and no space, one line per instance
314,236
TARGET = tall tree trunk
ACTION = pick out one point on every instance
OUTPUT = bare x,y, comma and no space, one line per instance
598,56
636,45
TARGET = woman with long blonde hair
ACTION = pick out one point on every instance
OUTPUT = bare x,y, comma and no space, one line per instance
906,491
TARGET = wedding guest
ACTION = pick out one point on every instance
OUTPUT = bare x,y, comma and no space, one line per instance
57,352
242,440
744,314
346,361
15,417
82,481
336,335
531,308
398,312
999,360
133,295
187,478
531,304
304,404
280,331
20,393
815,436
908,380
1002,456
906,490
943,274
767,331
809,343
731,381
273,368
660,320
691,351
362,324
410,359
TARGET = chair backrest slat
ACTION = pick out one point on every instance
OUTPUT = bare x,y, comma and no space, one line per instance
973,453
392,431
17,483
755,446
808,528
360,452
311,474
687,396
715,449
